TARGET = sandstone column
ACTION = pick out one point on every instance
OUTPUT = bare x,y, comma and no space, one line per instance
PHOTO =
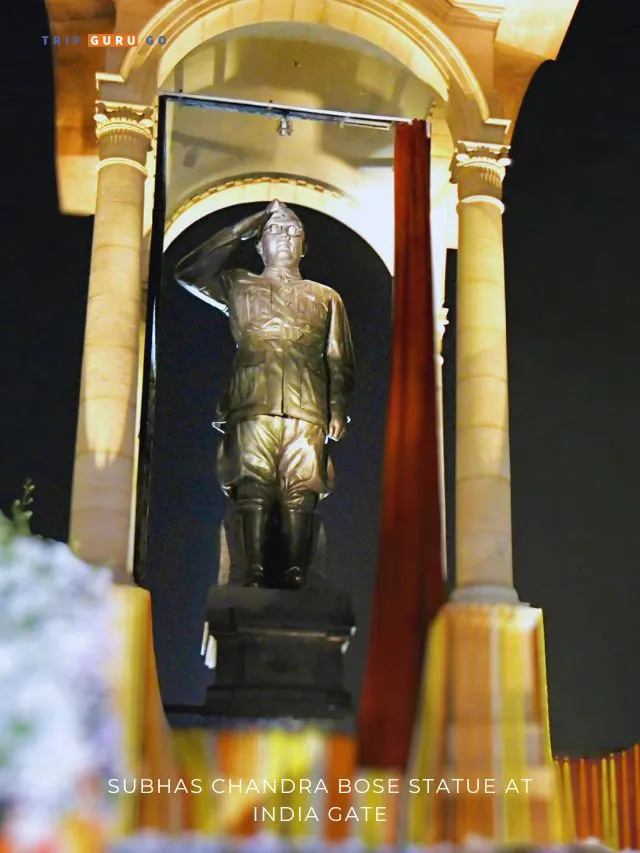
484,713
101,507
484,570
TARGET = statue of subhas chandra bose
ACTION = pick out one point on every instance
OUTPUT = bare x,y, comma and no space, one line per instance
289,391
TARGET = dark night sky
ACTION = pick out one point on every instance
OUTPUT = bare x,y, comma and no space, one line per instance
573,303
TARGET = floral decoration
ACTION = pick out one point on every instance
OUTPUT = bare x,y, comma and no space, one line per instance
59,734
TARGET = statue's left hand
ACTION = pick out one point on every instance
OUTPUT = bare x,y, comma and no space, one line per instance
337,428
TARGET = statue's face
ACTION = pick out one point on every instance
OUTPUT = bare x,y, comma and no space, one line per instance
282,241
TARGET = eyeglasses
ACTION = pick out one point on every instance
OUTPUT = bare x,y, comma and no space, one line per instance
279,228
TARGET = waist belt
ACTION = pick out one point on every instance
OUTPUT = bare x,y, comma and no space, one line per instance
306,352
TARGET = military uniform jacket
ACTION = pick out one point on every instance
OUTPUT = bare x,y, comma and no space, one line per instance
295,355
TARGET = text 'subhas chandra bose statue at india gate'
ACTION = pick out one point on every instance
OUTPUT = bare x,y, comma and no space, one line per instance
289,390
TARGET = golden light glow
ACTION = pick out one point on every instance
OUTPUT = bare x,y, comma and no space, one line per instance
536,27
105,424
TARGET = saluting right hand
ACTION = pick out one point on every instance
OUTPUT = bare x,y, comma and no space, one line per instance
251,227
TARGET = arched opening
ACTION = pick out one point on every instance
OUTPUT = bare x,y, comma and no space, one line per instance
194,352
345,172
379,60
342,170
376,29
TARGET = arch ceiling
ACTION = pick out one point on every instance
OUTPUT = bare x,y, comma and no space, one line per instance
301,66
343,171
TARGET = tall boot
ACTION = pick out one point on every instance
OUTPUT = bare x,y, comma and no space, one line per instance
297,534
253,527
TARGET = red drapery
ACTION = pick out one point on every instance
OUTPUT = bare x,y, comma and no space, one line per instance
409,585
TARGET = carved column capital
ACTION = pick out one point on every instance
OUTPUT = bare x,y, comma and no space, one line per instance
124,131
479,169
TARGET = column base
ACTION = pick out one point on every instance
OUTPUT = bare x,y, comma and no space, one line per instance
485,593
483,731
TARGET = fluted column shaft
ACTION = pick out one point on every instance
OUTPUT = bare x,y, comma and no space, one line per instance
483,480
101,508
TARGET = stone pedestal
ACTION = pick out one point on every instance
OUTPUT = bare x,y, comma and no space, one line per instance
277,653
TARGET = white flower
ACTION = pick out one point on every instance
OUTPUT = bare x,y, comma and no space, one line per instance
57,725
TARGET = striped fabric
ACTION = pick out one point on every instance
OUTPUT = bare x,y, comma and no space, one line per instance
265,779
483,720
592,798
148,748
601,798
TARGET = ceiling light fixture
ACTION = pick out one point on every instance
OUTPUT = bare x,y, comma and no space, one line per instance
285,126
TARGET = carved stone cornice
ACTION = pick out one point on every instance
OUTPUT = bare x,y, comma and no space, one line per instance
479,169
124,131
472,12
